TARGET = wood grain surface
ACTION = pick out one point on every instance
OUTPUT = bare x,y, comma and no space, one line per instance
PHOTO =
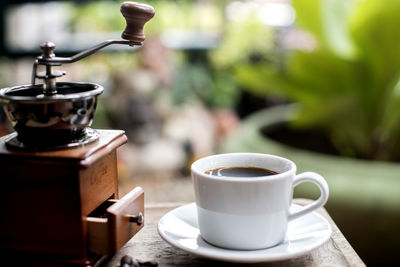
147,245
85,155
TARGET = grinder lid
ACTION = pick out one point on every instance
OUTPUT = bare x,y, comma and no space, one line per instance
66,91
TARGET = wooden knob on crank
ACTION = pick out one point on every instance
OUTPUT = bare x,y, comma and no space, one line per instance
136,15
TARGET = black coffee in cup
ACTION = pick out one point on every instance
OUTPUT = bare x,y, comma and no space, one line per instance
249,172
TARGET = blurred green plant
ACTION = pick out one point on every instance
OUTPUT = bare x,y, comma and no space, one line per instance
193,81
96,16
196,83
180,14
347,86
185,15
242,41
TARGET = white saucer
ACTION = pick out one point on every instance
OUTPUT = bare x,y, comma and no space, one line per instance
180,229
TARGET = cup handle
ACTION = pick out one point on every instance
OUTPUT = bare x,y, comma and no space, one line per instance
323,187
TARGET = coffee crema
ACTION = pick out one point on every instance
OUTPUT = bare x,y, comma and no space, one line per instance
246,172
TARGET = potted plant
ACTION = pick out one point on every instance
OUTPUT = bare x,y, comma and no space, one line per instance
346,88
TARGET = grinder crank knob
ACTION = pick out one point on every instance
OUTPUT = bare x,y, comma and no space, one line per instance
136,15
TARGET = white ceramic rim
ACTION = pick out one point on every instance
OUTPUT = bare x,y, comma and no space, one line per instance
195,168
244,256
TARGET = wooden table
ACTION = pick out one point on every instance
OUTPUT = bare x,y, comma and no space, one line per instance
148,245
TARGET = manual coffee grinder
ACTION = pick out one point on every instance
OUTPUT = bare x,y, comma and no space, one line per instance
59,188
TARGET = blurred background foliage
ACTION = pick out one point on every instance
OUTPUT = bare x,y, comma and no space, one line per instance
190,29
347,84
338,60
184,67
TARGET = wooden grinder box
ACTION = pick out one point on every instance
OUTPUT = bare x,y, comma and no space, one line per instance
62,206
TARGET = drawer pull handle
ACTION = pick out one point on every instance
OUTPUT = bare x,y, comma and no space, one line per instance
138,219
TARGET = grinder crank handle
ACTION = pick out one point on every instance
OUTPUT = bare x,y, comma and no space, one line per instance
136,15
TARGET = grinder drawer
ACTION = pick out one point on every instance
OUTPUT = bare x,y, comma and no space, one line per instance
115,222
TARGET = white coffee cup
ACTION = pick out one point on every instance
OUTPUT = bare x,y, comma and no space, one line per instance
249,213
